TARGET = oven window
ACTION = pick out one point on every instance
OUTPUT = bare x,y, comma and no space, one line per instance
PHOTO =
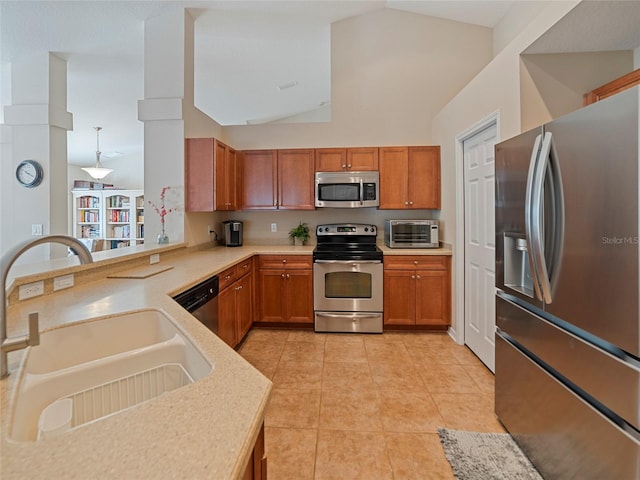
347,285
339,192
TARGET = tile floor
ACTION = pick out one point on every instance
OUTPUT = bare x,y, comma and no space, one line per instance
350,406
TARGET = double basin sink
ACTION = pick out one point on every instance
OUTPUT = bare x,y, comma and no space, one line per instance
87,371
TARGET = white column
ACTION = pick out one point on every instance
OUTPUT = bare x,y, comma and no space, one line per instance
161,112
35,127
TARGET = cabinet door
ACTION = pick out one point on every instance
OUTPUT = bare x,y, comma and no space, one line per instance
225,177
362,159
227,315
199,175
296,169
244,310
259,174
271,295
394,178
433,300
424,177
331,159
399,297
299,296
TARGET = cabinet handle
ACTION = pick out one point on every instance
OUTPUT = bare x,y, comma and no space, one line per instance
344,166
282,275
227,277
415,262
287,276
349,166
239,288
418,277
410,203
406,203
284,261
413,277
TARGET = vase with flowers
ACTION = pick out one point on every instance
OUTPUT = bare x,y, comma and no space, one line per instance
162,211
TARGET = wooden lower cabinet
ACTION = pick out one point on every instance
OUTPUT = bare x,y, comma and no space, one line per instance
417,290
257,464
235,301
285,289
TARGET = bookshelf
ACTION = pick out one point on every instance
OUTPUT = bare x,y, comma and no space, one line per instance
115,217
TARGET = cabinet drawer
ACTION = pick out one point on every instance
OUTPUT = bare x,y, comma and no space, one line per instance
413,262
227,277
285,261
242,268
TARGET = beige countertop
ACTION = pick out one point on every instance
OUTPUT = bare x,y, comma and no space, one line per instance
206,429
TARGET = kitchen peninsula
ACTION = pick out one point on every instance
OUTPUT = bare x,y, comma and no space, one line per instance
206,429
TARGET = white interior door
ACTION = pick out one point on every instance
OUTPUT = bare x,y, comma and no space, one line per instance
479,244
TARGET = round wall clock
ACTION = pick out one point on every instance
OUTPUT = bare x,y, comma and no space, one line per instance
29,173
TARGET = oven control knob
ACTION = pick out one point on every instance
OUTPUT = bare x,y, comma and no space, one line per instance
366,229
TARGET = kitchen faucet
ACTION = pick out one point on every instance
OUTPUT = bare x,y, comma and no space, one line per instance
33,337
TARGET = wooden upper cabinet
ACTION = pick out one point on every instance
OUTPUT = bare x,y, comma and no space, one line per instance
616,86
199,172
331,159
259,174
210,175
346,159
277,179
296,179
410,178
362,159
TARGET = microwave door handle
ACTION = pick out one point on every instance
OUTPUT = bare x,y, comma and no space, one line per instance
361,191
528,214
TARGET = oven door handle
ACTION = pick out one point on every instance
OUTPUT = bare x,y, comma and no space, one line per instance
345,262
348,315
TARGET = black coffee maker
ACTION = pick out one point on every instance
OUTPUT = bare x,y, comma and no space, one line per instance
232,233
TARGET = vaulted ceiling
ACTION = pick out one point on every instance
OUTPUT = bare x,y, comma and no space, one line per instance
102,42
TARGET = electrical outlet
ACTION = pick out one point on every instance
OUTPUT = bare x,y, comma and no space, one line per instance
210,230
30,290
36,229
64,281
155,258
274,227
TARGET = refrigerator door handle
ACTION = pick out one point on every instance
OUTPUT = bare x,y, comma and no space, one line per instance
547,166
528,213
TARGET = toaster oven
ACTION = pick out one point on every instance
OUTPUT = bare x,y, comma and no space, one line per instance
411,233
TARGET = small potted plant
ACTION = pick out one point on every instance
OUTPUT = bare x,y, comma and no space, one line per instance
299,234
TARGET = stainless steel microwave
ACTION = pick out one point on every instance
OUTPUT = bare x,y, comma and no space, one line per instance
347,189
411,233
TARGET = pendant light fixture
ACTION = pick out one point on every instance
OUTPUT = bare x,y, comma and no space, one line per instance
98,172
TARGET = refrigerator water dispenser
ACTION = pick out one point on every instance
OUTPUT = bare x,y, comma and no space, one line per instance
517,271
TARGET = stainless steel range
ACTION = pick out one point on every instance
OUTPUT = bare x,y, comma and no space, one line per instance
347,279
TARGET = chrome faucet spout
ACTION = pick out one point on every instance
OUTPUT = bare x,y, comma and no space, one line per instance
8,259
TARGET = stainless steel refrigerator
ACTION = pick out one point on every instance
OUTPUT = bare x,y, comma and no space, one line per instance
567,306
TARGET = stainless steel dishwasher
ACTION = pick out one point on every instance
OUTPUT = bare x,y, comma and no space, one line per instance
202,302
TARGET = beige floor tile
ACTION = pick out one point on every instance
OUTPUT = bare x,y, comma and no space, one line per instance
293,408
345,338
266,366
356,409
296,351
268,335
472,412
352,455
482,377
417,457
307,336
426,338
341,351
390,375
433,354
303,375
346,375
448,379
403,411
290,453
465,356
261,349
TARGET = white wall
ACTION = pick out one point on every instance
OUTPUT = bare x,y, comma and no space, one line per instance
391,72
517,18
496,88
